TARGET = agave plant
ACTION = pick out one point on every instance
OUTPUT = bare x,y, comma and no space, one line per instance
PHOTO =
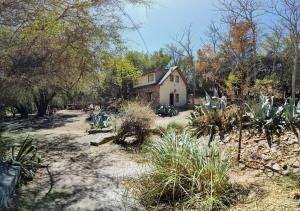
292,116
213,117
166,110
27,157
265,118
101,120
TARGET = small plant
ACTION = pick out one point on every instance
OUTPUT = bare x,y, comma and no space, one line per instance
175,126
184,174
213,117
166,110
26,157
136,120
100,120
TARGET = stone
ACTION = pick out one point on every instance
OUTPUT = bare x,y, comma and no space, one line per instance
292,141
103,139
276,167
242,166
9,177
296,164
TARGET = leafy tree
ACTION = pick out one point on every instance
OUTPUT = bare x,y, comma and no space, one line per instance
52,45
117,74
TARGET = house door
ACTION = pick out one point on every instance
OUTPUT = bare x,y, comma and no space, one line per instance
172,99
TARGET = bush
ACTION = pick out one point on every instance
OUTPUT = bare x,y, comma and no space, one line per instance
175,126
185,173
136,120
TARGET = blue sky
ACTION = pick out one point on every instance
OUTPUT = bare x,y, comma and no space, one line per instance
160,23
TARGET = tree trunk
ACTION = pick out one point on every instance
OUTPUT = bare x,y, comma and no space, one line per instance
294,75
23,110
42,102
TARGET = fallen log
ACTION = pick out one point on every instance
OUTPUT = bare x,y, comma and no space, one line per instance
100,130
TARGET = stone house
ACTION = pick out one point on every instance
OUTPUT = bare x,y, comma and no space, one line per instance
162,87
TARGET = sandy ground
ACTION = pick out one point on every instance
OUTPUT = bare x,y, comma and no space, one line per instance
84,177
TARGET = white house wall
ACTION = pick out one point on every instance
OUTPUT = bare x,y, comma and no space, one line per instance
169,87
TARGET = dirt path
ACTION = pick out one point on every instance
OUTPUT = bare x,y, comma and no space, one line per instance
84,177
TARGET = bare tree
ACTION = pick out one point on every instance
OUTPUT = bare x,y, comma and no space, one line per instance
175,53
289,13
185,43
245,11
213,34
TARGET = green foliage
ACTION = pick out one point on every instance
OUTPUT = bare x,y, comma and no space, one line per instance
231,82
148,62
166,110
26,157
175,126
184,174
117,74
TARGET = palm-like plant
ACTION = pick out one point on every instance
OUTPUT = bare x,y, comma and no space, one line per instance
27,157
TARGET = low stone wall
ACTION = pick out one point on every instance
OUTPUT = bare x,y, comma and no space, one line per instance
9,176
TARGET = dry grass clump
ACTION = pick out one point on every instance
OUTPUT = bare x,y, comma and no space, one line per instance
184,174
136,120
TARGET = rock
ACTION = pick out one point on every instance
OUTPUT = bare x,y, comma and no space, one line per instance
9,176
265,157
242,166
286,172
296,164
276,167
292,141
104,139
130,139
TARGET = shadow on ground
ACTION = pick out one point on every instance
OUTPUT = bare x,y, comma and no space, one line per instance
38,123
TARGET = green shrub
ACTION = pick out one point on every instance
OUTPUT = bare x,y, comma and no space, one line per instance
175,126
184,174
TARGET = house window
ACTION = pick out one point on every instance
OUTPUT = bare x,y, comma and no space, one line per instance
135,82
151,77
171,77
149,96
177,98
177,79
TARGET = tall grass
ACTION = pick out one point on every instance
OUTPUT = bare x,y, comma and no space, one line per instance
184,174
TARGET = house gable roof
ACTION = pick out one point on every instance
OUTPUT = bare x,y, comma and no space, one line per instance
170,71
164,76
